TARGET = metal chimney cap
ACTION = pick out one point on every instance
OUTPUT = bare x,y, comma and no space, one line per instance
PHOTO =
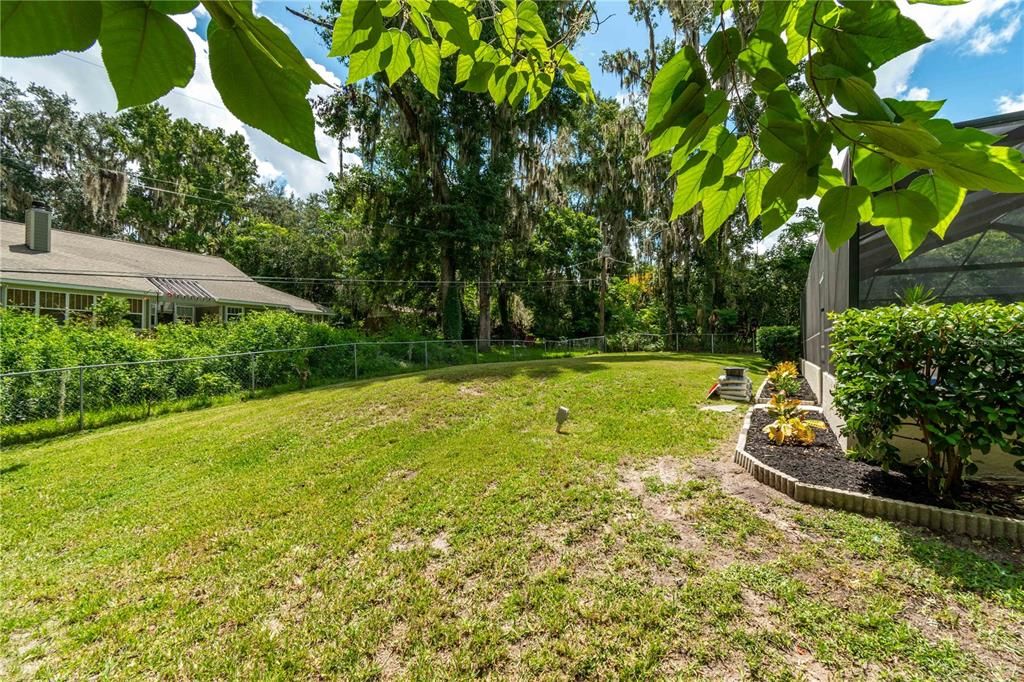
36,203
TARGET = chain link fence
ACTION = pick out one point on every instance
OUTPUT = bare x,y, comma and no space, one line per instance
46,402
682,343
38,403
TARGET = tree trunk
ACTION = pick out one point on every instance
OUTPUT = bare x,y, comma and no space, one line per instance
670,290
505,310
449,303
484,329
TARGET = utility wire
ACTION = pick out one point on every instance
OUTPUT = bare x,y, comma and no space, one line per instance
286,280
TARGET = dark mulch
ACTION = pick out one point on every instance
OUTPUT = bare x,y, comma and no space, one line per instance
825,464
805,392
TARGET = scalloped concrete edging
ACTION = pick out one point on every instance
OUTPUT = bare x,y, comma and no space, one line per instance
759,401
935,518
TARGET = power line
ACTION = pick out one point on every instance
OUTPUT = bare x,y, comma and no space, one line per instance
288,280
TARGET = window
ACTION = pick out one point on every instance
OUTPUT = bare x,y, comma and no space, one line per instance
134,315
184,313
53,304
232,313
24,299
80,306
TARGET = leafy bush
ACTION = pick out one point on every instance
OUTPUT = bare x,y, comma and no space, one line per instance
954,371
791,425
110,311
778,343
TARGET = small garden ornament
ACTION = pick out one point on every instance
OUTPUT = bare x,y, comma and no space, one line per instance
561,417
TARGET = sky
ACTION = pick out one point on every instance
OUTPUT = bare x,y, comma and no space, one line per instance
975,62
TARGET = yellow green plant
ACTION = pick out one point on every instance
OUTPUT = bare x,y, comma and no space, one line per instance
790,426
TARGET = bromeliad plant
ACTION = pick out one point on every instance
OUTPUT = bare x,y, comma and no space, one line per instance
790,425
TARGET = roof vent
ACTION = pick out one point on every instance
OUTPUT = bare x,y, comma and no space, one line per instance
37,227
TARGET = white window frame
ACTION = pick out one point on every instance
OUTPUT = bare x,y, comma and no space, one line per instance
233,313
191,316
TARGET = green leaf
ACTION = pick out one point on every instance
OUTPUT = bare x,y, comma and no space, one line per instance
720,203
791,182
677,92
905,139
268,37
880,30
145,53
29,29
528,16
260,92
753,183
740,157
907,217
174,6
506,25
856,95
373,59
946,197
766,51
700,171
539,89
976,169
358,26
426,63
722,50
916,110
454,24
938,2
842,209
399,60
716,109
876,171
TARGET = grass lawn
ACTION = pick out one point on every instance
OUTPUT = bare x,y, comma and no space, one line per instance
435,526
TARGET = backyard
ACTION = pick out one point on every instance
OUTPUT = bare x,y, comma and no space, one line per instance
435,525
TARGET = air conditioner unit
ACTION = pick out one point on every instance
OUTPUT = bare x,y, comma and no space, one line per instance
37,228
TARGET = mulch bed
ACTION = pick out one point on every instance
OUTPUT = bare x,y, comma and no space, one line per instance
825,464
805,392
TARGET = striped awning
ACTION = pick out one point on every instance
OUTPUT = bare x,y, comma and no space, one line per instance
181,288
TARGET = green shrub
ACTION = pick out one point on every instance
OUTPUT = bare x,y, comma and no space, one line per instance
776,344
955,371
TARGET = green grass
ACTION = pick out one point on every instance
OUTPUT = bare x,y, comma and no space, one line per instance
435,526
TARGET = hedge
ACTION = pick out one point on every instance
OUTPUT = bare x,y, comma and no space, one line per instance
776,344
955,371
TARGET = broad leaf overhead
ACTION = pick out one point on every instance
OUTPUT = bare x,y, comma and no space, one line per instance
834,50
145,52
264,79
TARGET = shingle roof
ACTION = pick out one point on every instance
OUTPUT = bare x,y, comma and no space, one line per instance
124,267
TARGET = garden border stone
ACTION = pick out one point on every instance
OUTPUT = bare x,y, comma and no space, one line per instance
936,518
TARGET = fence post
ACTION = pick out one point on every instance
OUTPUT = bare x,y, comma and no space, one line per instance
712,342
355,360
252,373
476,354
81,398
426,361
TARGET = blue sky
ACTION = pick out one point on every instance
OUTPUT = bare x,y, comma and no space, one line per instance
976,63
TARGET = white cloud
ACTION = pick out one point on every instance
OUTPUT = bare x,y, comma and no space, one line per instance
82,77
942,25
1010,103
918,93
986,40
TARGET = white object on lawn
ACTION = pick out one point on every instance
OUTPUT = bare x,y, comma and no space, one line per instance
561,417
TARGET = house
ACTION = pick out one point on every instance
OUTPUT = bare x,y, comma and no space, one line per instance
981,257
59,274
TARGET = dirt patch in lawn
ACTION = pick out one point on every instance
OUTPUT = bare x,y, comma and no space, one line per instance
825,463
